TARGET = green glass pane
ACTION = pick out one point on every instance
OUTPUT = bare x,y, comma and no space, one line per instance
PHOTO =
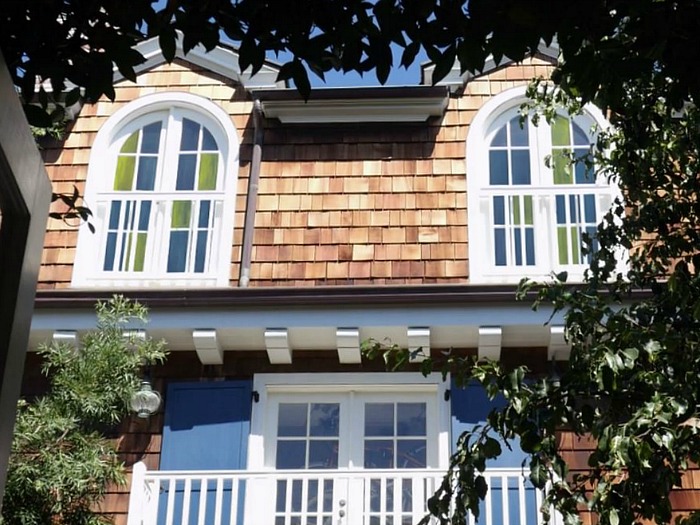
124,178
528,209
563,170
131,143
515,203
562,245
561,135
140,253
208,165
575,245
182,211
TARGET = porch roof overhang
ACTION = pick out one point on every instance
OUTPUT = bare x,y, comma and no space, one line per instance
281,320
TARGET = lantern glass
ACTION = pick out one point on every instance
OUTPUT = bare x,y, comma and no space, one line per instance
146,401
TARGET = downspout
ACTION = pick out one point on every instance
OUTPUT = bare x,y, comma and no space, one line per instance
252,197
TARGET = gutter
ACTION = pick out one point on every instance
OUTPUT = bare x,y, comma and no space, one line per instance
252,196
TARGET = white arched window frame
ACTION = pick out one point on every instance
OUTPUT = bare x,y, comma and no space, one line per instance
526,215
157,223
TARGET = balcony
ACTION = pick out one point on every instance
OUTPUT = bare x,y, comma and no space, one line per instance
314,497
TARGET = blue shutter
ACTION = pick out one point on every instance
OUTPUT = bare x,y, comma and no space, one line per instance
470,407
206,428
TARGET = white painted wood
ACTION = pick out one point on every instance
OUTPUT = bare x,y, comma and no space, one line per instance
277,345
348,342
69,337
137,496
208,347
490,338
558,348
418,343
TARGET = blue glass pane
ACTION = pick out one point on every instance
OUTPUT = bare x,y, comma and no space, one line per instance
208,142
324,419
120,261
110,252
580,137
499,210
499,140
281,497
204,207
185,172
530,246
291,454
146,176
151,138
379,453
499,240
144,216
410,453
323,454
591,231
200,257
291,420
498,167
561,210
574,212
521,166
127,215
190,135
379,419
410,419
177,255
589,208
518,135
583,173
518,238
114,210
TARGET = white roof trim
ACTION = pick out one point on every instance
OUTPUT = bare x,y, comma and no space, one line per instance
408,109
220,60
455,79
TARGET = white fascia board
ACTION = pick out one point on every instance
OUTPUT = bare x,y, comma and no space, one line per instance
220,60
408,109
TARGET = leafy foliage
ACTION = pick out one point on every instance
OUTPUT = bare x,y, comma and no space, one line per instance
61,462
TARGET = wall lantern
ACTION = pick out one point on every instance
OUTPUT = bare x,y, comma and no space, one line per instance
145,401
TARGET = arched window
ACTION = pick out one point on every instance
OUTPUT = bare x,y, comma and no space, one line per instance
529,207
160,183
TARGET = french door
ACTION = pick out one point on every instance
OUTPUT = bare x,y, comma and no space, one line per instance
351,456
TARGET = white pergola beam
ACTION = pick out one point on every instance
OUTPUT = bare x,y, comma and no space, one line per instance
277,345
558,348
490,338
348,340
418,341
208,347
69,337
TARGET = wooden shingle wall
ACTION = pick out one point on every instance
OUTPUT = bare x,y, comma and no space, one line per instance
338,204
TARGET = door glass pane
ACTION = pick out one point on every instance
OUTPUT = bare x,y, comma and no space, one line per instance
299,427
379,419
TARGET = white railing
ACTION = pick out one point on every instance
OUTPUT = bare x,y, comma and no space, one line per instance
316,497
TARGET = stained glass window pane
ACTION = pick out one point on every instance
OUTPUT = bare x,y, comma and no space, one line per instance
151,138
110,252
114,210
146,177
499,210
580,137
518,240
521,166
144,215
182,213
560,131
499,235
589,208
208,142
140,254
575,245
208,165
185,171
518,134
528,209
177,255
190,135
498,167
131,143
562,167
530,246
562,245
561,209
515,209
201,252
204,207
124,177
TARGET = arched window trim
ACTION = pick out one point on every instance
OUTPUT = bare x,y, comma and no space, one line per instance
498,110
87,270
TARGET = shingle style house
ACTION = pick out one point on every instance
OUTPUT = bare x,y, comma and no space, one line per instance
270,236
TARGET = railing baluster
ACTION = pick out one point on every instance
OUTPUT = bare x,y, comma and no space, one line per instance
186,502
202,501
219,500
504,499
235,486
172,487
522,501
